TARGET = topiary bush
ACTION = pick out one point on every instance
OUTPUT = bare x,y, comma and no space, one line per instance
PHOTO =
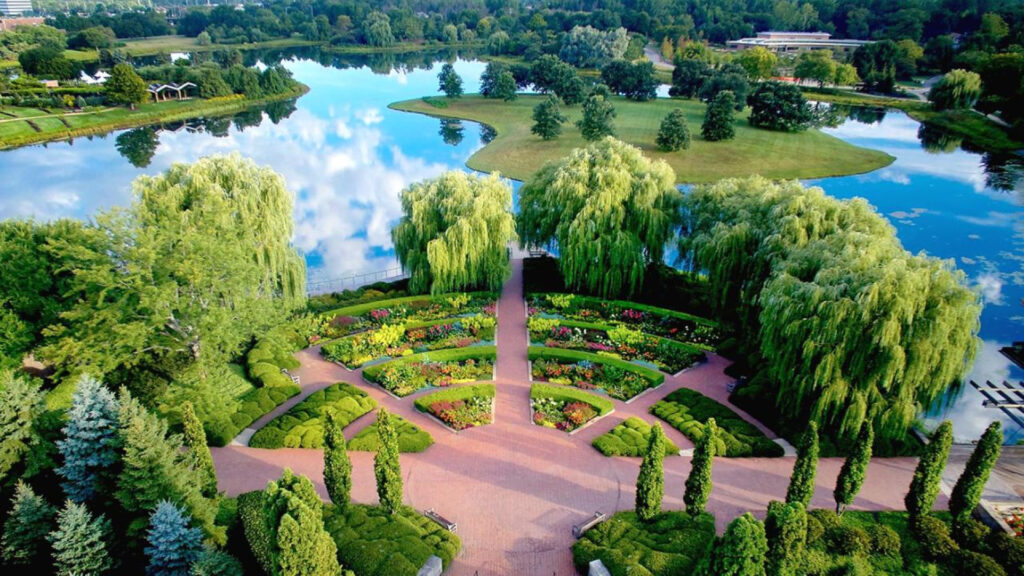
303,425
971,563
1007,550
970,534
933,536
672,543
411,438
847,541
252,405
686,410
629,438
884,540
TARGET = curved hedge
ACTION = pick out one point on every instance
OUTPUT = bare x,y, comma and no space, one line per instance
629,438
303,425
687,410
411,438
600,404
252,406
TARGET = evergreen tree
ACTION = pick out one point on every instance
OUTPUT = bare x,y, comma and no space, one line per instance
79,542
924,487
125,86
20,404
195,440
801,483
650,483
449,81
855,467
173,545
674,134
718,118
214,562
596,122
90,438
306,549
969,487
337,466
786,531
29,521
740,551
386,467
698,483
547,119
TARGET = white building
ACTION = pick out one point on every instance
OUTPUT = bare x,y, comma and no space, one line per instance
796,42
15,7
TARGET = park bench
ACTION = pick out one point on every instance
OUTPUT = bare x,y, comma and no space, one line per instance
441,520
293,377
579,529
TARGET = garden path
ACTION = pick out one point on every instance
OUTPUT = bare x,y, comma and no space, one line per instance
516,489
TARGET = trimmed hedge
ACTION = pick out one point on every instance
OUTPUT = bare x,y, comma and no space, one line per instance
373,543
271,354
411,438
672,543
601,405
452,394
360,309
253,405
303,425
653,376
629,438
593,301
687,410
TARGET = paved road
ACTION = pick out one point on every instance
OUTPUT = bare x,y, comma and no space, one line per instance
516,489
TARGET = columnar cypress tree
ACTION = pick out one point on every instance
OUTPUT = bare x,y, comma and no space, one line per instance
801,483
718,118
195,439
89,444
855,467
305,548
78,542
30,520
173,545
650,483
967,492
924,488
786,531
740,551
698,483
337,466
386,467
20,404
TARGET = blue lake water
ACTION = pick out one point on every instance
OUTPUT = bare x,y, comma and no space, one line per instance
347,157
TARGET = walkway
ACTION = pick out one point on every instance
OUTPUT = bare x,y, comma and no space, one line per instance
516,489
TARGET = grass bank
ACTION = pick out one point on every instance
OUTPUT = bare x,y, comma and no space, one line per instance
61,126
517,153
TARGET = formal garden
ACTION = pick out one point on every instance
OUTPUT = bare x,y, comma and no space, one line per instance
460,408
587,371
687,410
629,438
303,425
409,374
566,409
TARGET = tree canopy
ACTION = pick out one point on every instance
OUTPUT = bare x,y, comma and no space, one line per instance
588,47
125,86
958,89
779,106
547,119
609,209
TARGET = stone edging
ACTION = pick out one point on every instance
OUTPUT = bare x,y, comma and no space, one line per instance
644,393
594,421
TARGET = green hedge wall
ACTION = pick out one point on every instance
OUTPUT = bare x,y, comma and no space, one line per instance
360,309
303,425
452,394
600,404
629,438
592,301
653,376
687,410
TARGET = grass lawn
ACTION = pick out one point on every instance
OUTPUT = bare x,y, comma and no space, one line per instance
517,153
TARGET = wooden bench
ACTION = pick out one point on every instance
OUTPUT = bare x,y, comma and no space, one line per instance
290,375
441,520
579,529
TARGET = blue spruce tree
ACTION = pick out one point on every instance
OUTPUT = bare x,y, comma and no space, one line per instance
173,546
90,436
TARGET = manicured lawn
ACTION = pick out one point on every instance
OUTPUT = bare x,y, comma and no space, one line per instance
629,439
303,425
411,438
518,153
670,545
687,411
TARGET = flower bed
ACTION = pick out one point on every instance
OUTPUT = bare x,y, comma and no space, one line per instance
615,342
460,408
564,408
617,378
303,425
629,439
411,438
410,309
442,368
396,340
662,322
687,411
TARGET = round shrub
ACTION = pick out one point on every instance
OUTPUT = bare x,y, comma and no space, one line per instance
267,438
848,541
852,567
1008,551
816,562
884,540
975,564
814,530
933,535
827,518
970,534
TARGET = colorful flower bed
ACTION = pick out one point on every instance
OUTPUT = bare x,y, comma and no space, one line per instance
407,310
615,342
617,378
396,340
564,408
1014,518
442,368
460,408
652,320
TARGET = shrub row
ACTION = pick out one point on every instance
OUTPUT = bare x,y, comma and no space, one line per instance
411,438
364,307
303,425
601,405
273,353
629,438
594,301
687,410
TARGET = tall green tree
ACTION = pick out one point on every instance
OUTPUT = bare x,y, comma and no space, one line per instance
449,81
698,483
785,528
968,489
718,118
817,65
195,441
454,232
924,487
855,468
21,403
125,86
611,211
386,467
89,447
740,551
28,522
596,122
306,549
805,469
673,134
759,62
547,119
650,483
377,29
337,466
688,77
779,106
505,87
172,544
79,542
957,90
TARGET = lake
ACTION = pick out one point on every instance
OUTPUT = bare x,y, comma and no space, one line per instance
347,157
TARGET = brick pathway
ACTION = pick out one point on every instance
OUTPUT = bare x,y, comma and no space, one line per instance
516,489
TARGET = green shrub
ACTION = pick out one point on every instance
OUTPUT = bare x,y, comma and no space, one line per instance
815,530
411,438
816,562
975,564
303,425
405,375
251,407
601,405
933,536
1008,551
629,438
970,534
261,541
884,540
686,410
670,544
654,377
847,541
852,567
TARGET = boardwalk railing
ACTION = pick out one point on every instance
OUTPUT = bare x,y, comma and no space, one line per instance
354,281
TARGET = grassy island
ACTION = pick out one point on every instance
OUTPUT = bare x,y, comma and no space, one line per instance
517,153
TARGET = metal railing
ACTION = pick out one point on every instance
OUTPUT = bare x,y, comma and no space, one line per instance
354,281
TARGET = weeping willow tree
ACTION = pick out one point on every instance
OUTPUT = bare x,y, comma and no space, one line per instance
851,327
454,232
609,210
